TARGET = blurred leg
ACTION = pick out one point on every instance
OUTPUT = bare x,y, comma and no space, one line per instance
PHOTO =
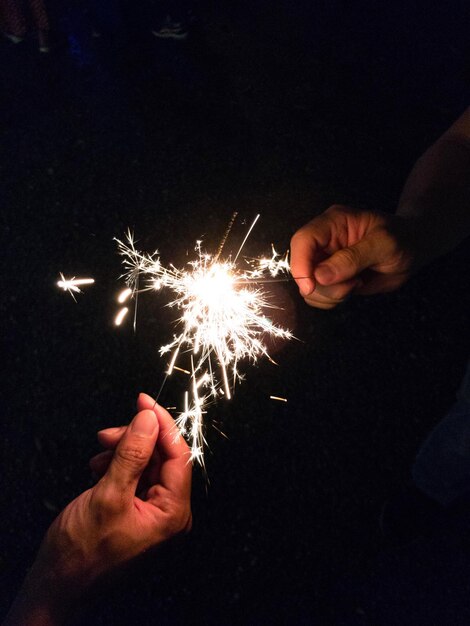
13,18
39,14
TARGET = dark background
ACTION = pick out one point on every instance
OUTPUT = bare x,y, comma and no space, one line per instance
281,108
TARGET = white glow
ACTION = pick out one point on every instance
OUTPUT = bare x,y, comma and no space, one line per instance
124,295
120,316
221,322
278,398
72,285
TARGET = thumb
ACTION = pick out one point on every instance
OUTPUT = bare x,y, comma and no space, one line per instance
348,262
132,454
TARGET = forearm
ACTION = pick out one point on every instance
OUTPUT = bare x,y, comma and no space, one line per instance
437,195
42,601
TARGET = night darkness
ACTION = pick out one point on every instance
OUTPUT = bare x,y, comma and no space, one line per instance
279,108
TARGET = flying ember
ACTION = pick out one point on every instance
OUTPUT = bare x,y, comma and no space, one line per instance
72,285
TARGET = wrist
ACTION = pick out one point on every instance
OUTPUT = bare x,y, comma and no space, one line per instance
417,238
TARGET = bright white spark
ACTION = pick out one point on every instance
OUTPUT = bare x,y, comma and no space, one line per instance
124,295
120,316
221,321
278,398
72,285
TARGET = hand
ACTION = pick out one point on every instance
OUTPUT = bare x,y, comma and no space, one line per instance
108,524
345,250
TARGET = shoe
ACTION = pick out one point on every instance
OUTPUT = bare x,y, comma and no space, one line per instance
43,38
171,30
13,38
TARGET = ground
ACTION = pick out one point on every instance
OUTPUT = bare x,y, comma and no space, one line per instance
280,109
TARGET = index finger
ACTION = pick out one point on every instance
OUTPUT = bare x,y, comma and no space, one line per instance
306,250
170,443
176,468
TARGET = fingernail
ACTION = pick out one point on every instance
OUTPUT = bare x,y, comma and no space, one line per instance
145,396
324,274
306,286
144,423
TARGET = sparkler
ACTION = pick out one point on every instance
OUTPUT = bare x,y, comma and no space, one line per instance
221,320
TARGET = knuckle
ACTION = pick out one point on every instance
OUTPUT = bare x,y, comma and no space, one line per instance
395,248
180,522
397,251
132,454
176,510
336,209
297,237
349,256
106,500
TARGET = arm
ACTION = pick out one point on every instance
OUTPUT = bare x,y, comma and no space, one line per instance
108,525
344,250
437,191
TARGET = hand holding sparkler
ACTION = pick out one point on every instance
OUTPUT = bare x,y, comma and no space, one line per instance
344,250
108,525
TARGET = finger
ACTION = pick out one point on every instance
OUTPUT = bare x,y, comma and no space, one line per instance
144,401
170,442
336,292
110,437
329,297
306,246
348,262
100,462
175,470
130,458
99,466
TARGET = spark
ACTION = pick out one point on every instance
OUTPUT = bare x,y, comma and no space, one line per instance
72,285
278,398
124,295
120,316
221,320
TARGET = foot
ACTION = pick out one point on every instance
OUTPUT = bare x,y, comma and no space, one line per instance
14,38
43,38
171,30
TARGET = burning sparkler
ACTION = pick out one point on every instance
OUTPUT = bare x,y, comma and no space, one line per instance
221,320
